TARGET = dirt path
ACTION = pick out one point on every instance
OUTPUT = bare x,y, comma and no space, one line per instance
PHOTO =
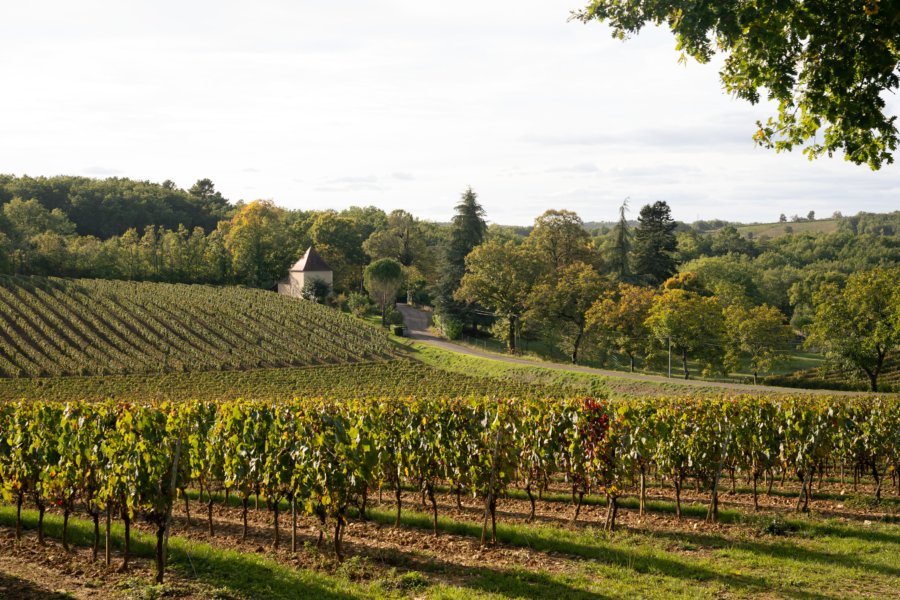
418,323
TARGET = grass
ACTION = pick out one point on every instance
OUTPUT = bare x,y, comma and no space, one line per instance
577,382
809,558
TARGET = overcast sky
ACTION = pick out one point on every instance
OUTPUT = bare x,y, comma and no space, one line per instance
398,104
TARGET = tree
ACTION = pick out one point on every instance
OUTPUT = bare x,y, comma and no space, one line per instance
811,215
691,323
654,243
210,199
339,240
759,333
383,279
256,242
858,326
561,304
560,239
620,316
500,277
467,231
782,218
828,65
402,239
621,248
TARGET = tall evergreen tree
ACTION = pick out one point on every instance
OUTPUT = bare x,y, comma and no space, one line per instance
467,231
618,260
654,244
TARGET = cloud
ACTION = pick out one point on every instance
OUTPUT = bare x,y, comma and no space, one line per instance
692,138
402,176
351,183
250,170
579,168
98,170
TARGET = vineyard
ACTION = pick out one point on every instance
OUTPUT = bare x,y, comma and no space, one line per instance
396,378
51,327
326,459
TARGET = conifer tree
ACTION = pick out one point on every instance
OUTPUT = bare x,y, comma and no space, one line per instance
654,244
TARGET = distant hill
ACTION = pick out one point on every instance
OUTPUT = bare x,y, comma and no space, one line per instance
53,327
774,230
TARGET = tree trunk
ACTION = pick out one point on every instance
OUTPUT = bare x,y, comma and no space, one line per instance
40,528
65,530
493,519
612,507
578,506
755,495
209,513
19,516
277,532
430,489
397,491
643,499
244,502
108,547
631,360
95,548
878,478
126,519
337,539
293,523
677,483
530,499
575,346
187,506
755,380
160,552
684,364
511,343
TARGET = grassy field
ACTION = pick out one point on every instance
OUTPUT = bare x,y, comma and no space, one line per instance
774,230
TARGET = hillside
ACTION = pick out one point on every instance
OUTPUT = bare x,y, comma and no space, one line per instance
825,378
53,327
774,230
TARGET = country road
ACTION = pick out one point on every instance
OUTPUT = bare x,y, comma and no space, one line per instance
418,322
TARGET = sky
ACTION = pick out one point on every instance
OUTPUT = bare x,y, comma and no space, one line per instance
398,104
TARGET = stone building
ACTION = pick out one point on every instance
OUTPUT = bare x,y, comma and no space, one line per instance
311,266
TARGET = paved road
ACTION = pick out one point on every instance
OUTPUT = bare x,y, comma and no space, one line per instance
418,321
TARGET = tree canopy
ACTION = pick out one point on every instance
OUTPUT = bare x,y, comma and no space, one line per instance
826,65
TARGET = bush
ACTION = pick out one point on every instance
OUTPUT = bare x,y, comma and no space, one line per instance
449,327
359,304
394,317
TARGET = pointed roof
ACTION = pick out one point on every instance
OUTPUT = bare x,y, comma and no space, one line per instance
311,261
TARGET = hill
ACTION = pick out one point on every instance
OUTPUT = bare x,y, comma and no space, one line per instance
774,230
54,327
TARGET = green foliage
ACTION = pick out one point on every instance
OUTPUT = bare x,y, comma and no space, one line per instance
760,334
859,325
693,324
653,254
827,65
383,279
500,276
